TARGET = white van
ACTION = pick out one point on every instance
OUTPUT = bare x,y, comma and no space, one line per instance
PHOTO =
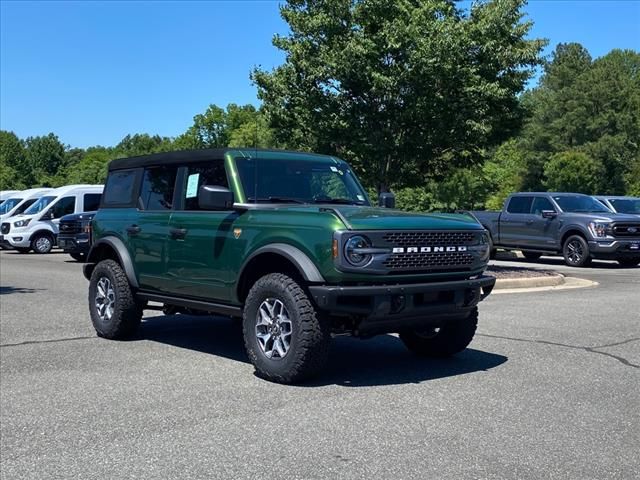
37,227
18,202
4,194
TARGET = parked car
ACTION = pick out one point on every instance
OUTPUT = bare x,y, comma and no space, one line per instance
16,204
571,224
619,204
37,228
74,235
290,243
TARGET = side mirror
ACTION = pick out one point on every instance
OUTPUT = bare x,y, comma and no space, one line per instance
48,215
213,197
387,200
549,214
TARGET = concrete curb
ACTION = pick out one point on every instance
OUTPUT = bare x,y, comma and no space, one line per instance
529,282
568,284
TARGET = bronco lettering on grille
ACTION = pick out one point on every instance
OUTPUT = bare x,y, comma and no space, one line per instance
429,249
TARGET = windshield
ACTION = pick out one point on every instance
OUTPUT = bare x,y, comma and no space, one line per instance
8,205
626,205
299,181
580,204
40,205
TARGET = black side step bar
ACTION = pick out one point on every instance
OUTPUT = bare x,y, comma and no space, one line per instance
212,307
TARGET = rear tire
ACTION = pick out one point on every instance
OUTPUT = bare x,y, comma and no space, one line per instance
531,255
576,252
444,341
629,262
285,338
115,313
42,243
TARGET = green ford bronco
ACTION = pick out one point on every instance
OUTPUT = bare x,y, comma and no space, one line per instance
287,242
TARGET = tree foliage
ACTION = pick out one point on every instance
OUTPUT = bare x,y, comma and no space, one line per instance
405,90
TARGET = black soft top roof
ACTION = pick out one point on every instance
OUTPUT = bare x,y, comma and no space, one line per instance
183,156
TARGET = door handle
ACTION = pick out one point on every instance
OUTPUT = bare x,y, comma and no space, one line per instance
133,230
177,233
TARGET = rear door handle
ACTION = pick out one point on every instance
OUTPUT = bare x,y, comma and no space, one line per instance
133,230
178,233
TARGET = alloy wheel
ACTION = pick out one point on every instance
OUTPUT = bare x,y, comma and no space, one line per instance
43,244
274,328
575,252
105,299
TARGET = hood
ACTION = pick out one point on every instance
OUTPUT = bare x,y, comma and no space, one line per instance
73,217
605,217
374,218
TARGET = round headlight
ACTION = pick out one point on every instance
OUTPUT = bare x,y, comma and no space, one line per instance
352,253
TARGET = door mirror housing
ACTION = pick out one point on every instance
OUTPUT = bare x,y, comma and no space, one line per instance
387,200
214,197
48,215
549,214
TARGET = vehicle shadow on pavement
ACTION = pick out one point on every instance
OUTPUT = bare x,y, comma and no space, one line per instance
558,261
6,290
382,360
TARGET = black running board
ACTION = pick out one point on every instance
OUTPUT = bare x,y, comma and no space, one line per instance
212,307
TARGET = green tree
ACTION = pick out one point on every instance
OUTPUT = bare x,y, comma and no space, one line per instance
573,171
12,155
93,166
403,89
44,160
504,173
142,144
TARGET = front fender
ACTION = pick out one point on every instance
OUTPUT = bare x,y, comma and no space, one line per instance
302,262
118,247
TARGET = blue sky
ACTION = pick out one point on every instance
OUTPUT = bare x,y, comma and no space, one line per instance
91,72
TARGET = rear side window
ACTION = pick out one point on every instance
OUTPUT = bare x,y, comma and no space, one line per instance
157,188
64,206
119,190
91,201
202,174
520,205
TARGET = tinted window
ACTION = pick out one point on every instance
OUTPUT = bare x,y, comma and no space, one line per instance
9,205
119,188
580,204
520,205
626,205
63,207
204,174
91,201
41,204
157,188
540,204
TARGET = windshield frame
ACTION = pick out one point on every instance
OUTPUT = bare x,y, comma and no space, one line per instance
4,210
350,182
36,206
601,207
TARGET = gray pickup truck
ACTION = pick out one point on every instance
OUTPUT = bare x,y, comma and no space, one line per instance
571,224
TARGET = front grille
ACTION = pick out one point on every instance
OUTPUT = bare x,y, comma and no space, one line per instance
626,230
70,227
4,229
413,239
429,261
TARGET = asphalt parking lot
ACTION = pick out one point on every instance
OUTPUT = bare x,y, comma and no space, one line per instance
550,388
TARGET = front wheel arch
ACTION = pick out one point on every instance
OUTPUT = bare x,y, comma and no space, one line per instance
111,248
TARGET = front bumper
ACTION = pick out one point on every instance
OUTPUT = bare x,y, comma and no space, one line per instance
390,308
613,249
79,243
13,240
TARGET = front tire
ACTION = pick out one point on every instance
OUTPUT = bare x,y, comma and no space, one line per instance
629,262
115,313
42,243
285,338
443,341
576,252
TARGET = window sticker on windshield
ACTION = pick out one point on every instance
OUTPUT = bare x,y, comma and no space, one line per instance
360,197
192,185
333,169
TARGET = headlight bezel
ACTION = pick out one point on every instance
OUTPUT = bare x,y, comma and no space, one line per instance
600,229
353,243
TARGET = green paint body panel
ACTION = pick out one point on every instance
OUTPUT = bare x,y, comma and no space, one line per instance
206,263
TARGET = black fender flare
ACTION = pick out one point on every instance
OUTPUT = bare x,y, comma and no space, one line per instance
118,246
300,260
573,227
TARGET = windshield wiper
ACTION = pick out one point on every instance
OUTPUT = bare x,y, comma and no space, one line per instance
340,201
276,200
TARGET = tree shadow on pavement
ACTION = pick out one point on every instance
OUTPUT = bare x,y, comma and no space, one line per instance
382,360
